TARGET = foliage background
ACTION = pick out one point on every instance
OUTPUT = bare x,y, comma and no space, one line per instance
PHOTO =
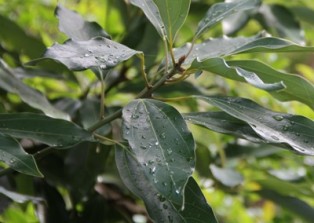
278,172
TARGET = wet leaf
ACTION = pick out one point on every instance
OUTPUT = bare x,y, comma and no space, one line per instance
75,27
162,144
15,157
274,127
53,132
223,123
220,11
98,52
220,67
159,207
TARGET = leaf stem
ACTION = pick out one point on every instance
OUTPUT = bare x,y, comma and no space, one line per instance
141,56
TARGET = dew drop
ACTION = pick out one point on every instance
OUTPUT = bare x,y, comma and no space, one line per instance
164,184
285,128
177,191
297,134
103,66
86,55
156,143
165,206
135,116
275,137
152,170
143,147
278,117
12,161
163,135
169,151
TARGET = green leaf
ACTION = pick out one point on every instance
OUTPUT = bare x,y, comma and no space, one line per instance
20,198
220,11
212,48
223,123
226,176
159,207
235,22
97,52
152,13
75,27
53,132
220,67
173,14
274,127
15,157
297,87
13,35
162,143
292,204
303,13
226,46
280,20
30,96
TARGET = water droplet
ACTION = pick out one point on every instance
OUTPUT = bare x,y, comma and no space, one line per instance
143,147
12,161
103,66
275,137
135,116
297,134
156,143
165,206
292,122
285,127
163,135
278,117
152,170
164,184
143,137
86,55
161,198
177,191
306,141
172,160
151,162
169,151
155,180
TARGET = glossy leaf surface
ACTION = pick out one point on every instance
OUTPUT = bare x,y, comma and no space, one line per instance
274,127
159,207
224,123
75,27
152,13
229,46
15,157
53,132
97,52
221,11
220,67
30,96
162,144
296,87
173,14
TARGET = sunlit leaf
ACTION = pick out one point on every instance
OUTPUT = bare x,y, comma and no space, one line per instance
151,11
220,11
15,157
280,20
220,67
20,198
277,128
235,22
173,14
53,132
226,176
30,96
162,144
75,27
223,123
159,207
97,52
